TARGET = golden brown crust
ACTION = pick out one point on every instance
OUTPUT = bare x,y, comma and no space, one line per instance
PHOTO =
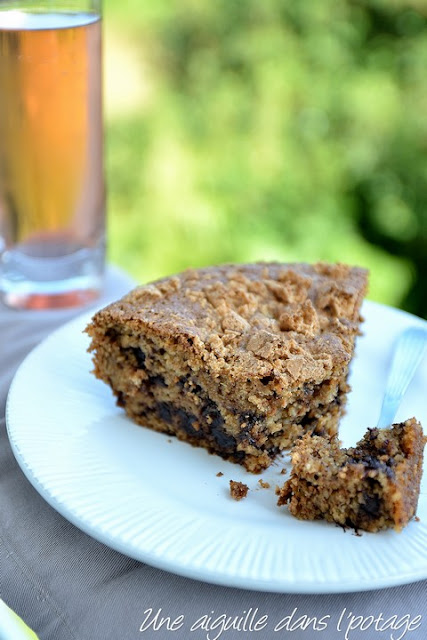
293,321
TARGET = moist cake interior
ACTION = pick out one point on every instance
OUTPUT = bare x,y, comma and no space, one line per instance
372,486
239,359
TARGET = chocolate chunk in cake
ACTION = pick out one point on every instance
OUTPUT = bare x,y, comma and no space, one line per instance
239,359
372,486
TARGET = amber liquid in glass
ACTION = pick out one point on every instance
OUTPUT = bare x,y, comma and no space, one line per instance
52,204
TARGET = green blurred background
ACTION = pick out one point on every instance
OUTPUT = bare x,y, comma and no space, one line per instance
295,130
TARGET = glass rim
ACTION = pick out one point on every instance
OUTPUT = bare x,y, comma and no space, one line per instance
53,6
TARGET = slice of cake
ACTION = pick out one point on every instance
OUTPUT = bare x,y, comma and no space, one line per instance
239,359
372,486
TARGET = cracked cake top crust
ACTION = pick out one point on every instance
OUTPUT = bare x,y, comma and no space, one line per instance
285,324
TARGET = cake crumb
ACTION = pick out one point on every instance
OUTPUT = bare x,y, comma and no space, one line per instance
417,519
219,474
238,490
263,484
283,471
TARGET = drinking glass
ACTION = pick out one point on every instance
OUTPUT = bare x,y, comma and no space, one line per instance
52,195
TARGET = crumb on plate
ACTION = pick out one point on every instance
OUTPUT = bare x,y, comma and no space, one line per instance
238,490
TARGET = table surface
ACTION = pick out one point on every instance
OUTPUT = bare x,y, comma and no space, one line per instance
67,586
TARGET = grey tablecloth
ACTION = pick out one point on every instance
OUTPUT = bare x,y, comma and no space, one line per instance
67,586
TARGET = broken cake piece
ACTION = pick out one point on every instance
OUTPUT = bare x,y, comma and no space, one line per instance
239,359
372,486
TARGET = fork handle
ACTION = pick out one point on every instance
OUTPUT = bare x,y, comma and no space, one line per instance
409,352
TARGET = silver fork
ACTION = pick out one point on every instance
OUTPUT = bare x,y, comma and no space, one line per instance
409,351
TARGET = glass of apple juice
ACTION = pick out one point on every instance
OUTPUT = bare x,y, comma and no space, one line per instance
52,193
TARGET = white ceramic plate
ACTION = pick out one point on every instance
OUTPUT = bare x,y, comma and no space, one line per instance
160,501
